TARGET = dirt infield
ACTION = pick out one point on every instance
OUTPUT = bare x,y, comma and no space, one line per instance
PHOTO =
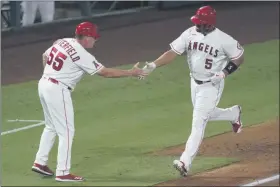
257,147
253,22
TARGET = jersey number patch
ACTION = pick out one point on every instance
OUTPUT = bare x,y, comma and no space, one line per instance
56,59
208,63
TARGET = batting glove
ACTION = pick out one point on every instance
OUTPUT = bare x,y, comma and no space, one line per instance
218,77
148,68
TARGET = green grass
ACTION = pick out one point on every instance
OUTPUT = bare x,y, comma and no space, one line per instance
118,120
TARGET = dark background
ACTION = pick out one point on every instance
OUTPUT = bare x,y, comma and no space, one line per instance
135,37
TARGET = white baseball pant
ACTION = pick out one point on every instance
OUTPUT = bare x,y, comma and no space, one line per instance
205,98
59,120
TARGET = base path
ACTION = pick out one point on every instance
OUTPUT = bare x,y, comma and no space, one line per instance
257,147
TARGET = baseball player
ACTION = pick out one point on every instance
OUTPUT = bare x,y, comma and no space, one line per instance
212,55
65,63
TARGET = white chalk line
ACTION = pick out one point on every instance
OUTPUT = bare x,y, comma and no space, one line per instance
22,128
262,181
23,120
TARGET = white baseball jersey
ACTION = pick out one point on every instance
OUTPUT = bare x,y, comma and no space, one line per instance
68,61
208,54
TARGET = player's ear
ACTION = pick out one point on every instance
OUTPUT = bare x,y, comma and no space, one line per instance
79,37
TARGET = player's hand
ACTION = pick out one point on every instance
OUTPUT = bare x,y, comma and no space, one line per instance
148,68
136,71
218,77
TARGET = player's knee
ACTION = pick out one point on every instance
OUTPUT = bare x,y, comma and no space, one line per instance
66,131
200,120
201,115
49,129
197,128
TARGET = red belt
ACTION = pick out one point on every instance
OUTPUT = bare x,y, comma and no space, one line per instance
53,80
57,82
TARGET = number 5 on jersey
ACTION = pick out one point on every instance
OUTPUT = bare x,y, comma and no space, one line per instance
208,63
56,59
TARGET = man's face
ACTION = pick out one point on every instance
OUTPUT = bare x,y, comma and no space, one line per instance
199,28
89,41
204,29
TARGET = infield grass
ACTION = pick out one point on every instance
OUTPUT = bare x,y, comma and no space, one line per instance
119,120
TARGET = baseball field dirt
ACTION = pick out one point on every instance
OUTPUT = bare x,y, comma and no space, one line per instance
257,147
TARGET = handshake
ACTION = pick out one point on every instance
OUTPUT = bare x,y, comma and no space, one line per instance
145,71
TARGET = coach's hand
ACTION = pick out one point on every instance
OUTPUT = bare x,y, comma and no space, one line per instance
218,77
147,69
137,72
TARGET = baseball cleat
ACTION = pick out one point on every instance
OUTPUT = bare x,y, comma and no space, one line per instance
180,166
237,125
43,170
69,178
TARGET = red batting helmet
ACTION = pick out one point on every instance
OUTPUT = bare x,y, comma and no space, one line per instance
204,15
87,29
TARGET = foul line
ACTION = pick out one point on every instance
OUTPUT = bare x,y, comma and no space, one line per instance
22,128
23,120
262,181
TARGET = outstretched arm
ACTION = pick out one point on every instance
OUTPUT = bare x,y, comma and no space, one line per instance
118,73
178,47
165,58
89,64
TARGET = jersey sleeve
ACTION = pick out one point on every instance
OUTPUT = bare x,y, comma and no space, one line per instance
88,63
179,45
233,49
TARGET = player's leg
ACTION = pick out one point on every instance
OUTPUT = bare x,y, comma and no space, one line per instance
47,10
225,114
231,114
206,99
65,131
48,136
193,91
64,115
29,9
178,164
